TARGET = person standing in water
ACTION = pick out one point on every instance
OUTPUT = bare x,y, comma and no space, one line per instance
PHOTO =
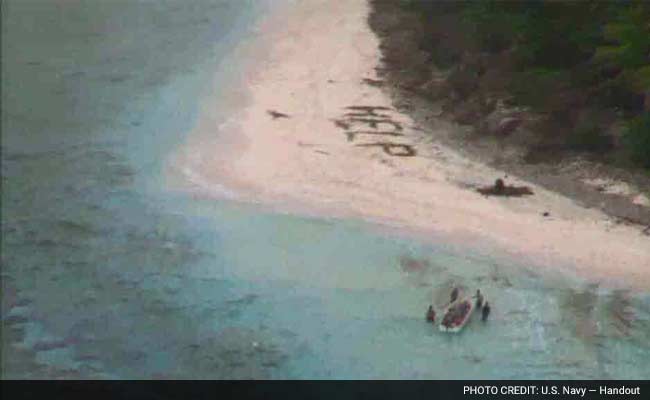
486,311
479,299
431,315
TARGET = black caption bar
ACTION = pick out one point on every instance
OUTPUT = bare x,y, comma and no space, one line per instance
331,390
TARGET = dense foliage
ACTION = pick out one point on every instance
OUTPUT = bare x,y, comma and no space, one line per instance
597,49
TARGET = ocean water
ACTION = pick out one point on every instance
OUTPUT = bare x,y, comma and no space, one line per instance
106,274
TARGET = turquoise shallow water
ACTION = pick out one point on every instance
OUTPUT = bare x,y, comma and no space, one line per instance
104,277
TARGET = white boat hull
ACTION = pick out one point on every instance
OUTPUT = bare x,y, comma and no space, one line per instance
466,316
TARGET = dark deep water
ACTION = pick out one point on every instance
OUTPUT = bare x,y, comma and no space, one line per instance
107,275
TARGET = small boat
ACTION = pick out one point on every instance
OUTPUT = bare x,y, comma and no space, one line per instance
457,314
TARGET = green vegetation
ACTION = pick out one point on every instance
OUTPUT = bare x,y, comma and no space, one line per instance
568,56
589,137
637,139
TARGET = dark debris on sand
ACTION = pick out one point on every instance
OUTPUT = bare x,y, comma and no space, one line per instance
501,189
276,114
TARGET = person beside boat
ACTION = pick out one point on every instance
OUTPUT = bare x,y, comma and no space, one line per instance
479,299
431,314
486,311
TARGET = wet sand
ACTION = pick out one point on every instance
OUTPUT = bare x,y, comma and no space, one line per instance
317,134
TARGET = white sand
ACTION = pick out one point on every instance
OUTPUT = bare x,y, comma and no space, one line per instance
311,64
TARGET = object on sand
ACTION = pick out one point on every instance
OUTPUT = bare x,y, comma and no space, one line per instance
372,82
276,114
456,315
501,189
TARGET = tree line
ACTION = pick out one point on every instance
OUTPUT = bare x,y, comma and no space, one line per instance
600,49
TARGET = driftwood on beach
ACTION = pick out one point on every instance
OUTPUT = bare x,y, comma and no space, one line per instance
367,108
372,82
501,189
276,114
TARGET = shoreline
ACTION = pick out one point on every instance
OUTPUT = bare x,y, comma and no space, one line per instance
314,134
484,126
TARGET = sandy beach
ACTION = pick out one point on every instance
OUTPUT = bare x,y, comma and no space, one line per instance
314,134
